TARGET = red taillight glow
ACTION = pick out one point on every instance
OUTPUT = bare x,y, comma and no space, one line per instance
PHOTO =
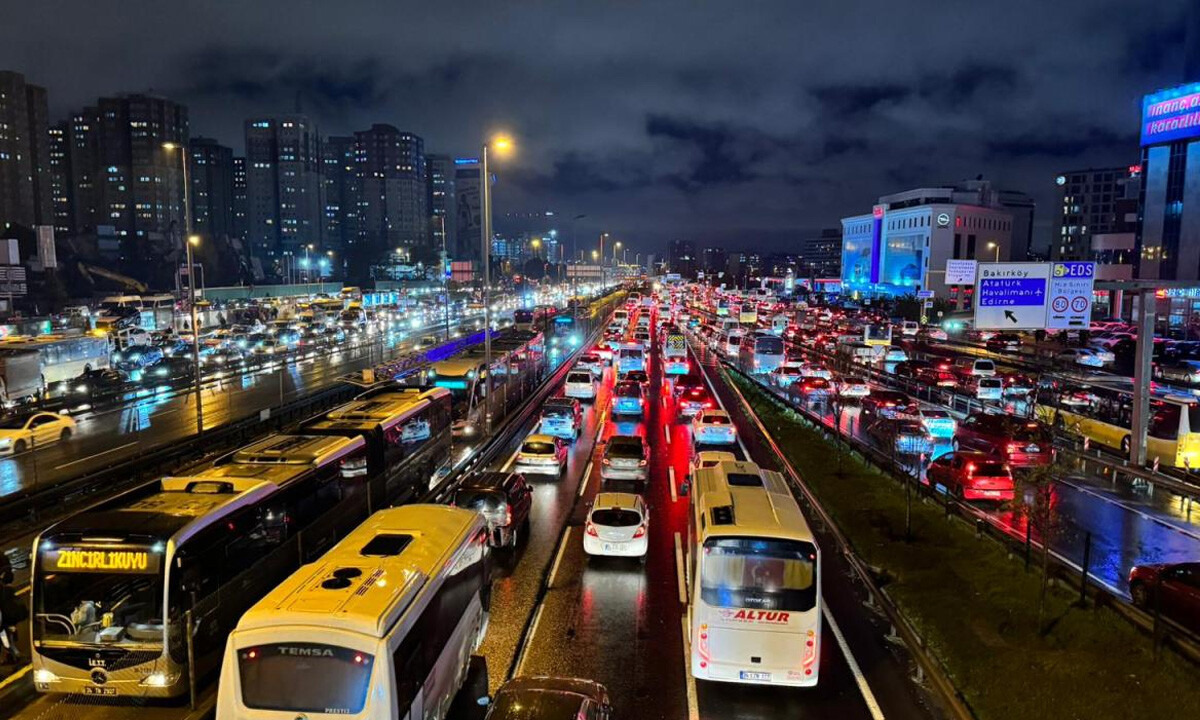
591,530
358,658
640,532
1014,447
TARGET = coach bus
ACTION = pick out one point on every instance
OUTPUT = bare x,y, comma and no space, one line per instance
760,353
755,580
114,586
383,626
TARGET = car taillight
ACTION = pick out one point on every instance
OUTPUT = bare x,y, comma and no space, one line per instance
810,652
606,461
642,463
591,530
703,646
970,469
1014,447
507,513
640,532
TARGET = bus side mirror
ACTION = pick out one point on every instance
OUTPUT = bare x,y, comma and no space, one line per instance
684,487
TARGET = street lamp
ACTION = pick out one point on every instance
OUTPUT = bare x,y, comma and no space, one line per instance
996,247
503,147
189,241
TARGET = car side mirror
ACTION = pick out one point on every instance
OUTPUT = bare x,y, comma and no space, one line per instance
684,488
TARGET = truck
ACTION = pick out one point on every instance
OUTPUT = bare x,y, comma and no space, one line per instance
20,375
675,354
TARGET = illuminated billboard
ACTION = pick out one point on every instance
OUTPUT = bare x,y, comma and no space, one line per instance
1171,115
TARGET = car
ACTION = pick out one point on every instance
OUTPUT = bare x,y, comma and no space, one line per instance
1016,384
592,362
137,357
935,376
604,351
686,381
1004,343
812,387
19,433
895,353
625,457
1015,441
617,525
938,422
713,427
972,475
906,437
628,398
932,333
98,381
885,403
910,368
786,373
975,366
985,388
503,498
811,369
169,370
1183,371
561,417
708,459
580,384
853,388
638,376
1087,357
1173,588
539,697
543,454
694,399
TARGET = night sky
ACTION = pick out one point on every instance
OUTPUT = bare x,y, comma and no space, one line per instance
741,124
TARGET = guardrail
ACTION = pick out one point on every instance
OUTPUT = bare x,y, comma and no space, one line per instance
1061,568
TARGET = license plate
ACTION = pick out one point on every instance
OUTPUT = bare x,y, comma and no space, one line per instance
747,675
608,547
992,493
1032,448
99,691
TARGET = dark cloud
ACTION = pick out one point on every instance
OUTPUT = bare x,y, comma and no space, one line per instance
661,119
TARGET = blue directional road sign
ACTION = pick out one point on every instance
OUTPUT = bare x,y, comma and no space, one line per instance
1011,296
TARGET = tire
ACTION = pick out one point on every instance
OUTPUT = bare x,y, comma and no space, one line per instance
642,560
19,447
65,434
1140,595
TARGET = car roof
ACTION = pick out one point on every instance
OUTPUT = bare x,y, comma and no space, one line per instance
486,480
614,500
541,438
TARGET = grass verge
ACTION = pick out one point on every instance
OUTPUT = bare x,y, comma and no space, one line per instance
977,609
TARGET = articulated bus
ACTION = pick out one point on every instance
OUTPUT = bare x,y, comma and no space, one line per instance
518,361
114,585
760,353
754,569
382,627
1100,408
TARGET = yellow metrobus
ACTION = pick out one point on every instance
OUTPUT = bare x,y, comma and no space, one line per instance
1100,408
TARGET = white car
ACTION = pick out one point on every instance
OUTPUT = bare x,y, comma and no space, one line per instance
1088,357
580,384
708,459
544,454
713,427
787,373
21,433
895,354
853,387
618,525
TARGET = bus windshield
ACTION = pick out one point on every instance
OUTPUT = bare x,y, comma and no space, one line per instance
279,677
768,345
759,573
114,609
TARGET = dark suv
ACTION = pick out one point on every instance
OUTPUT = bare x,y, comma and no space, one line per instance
503,498
1018,442
550,698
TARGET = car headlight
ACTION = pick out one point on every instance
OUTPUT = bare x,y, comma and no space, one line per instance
5,442
81,388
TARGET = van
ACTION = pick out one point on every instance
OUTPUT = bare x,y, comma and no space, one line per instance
989,388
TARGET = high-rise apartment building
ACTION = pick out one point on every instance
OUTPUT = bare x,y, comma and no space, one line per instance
25,194
284,189
821,254
392,192
239,199
62,194
468,186
443,202
681,258
83,160
714,261
212,188
1087,206
342,196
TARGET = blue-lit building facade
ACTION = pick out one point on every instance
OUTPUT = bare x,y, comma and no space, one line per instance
1168,242
902,245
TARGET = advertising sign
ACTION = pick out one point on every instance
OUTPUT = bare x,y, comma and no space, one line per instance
1070,306
1171,115
960,272
1011,296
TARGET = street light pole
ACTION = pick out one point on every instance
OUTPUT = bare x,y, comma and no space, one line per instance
487,296
445,270
188,241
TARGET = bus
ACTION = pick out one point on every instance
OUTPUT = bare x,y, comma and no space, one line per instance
760,353
754,574
748,313
722,306
1100,408
383,626
113,586
63,357
631,357
518,361
529,320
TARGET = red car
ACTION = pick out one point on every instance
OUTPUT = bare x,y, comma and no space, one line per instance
693,399
936,377
1178,586
1015,441
971,476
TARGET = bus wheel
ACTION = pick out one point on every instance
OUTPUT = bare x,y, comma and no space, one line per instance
1125,444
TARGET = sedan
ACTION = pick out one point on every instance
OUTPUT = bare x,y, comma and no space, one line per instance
713,427
1185,371
617,526
626,457
1177,587
20,433
851,387
787,373
136,357
895,353
628,398
592,362
98,381
549,698
972,476
543,454
1088,357
580,384
905,437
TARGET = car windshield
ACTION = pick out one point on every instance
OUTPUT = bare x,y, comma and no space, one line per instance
558,411
990,469
579,377
538,447
629,390
626,448
481,500
279,677
984,365
712,419
758,573
616,517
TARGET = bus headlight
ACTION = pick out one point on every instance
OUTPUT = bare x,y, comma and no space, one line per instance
44,677
159,679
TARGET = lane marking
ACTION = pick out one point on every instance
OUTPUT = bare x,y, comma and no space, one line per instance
679,569
693,705
537,618
510,462
15,676
859,678
96,455
562,546
671,475
667,434
587,475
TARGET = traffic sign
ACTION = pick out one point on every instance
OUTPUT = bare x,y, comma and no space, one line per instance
960,272
1070,295
1011,296
924,294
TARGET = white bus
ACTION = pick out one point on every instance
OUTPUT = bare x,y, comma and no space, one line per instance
382,626
754,608
64,357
